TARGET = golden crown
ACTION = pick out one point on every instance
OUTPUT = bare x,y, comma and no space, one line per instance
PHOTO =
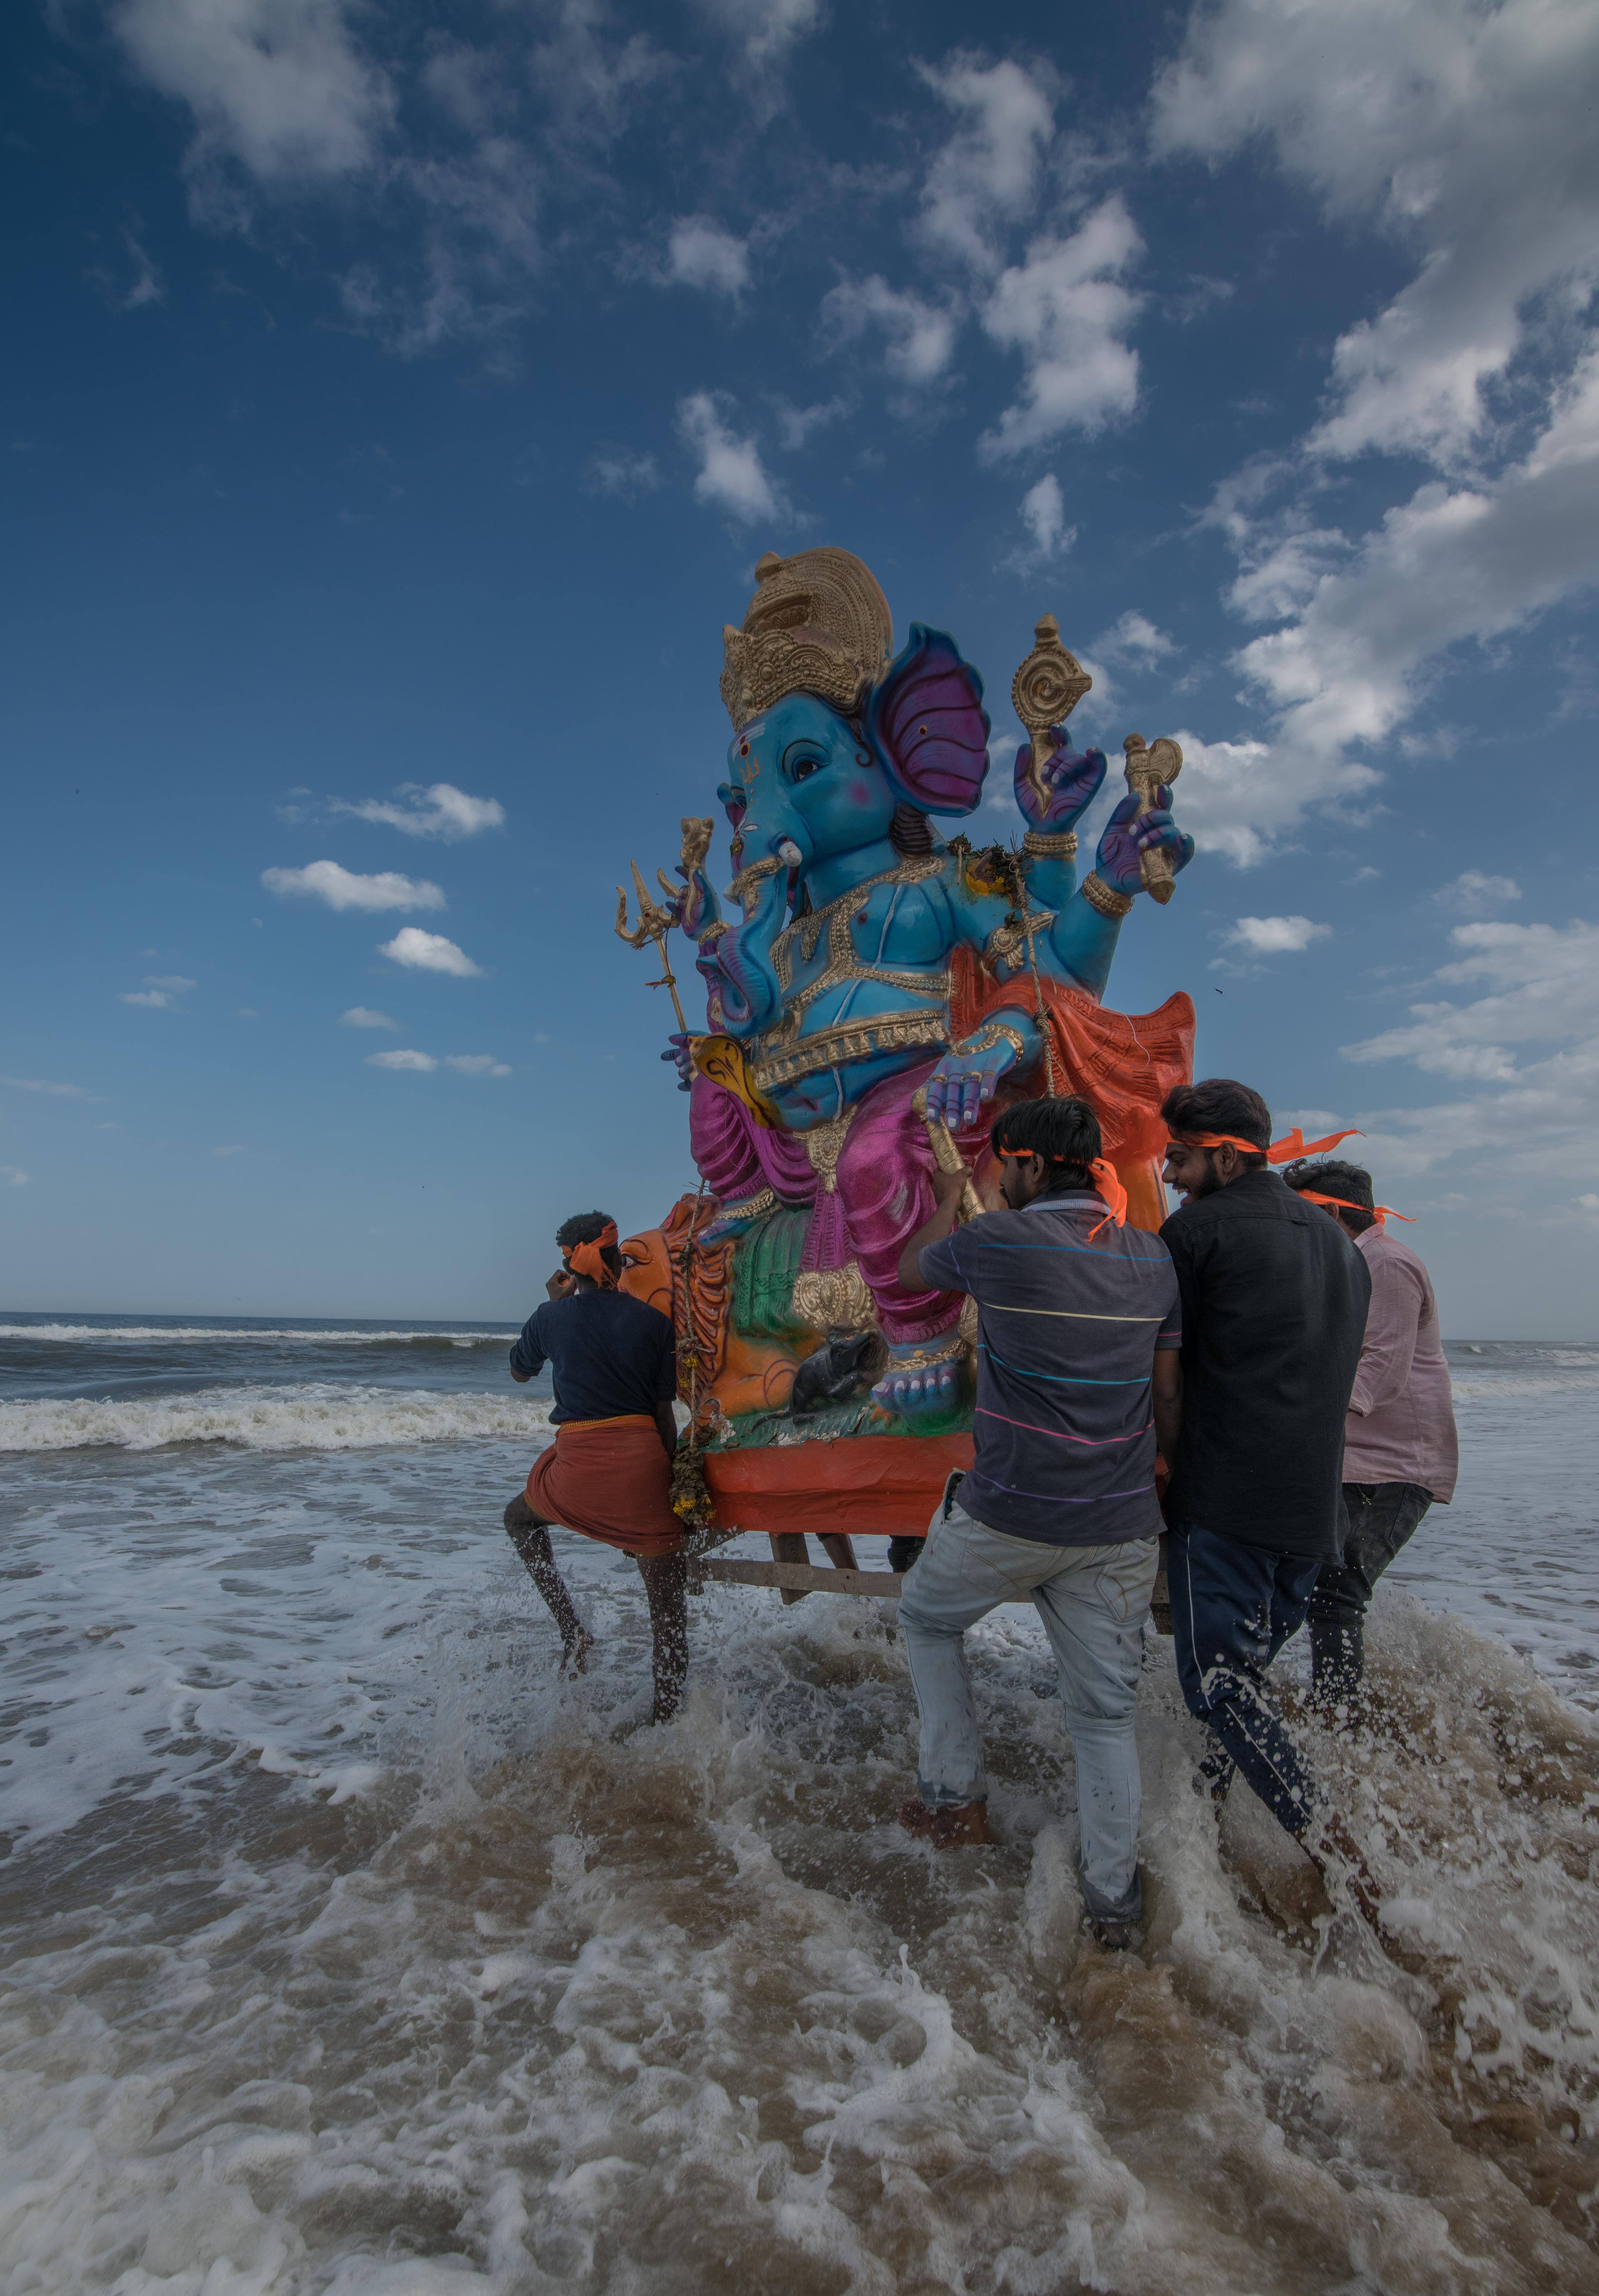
817,624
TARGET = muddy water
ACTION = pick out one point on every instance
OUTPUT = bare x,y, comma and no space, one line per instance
342,1948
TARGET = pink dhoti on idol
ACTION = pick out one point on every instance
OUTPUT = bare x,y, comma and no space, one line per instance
867,1183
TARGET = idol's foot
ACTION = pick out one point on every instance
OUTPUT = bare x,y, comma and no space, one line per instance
924,1382
575,1650
951,1826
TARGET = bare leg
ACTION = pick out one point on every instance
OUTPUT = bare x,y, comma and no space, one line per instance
666,1583
532,1539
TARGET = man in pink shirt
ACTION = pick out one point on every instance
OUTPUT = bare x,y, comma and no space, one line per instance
1400,1451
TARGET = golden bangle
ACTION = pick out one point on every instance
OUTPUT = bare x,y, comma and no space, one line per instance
1108,902
987,1036
1060,845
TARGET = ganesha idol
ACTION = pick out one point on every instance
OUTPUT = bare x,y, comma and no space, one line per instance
876,993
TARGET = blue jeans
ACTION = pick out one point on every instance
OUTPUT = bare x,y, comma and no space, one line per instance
1232,1608
1093,1601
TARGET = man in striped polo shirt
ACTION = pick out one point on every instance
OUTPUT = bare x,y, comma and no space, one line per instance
1076,1376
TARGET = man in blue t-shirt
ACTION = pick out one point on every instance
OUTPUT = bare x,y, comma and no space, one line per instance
1077,1379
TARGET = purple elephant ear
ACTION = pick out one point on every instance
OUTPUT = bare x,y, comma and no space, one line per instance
927,723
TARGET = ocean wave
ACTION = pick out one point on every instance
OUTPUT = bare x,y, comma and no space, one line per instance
318,1416
122,1334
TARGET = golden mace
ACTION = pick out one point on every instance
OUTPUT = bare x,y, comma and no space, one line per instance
1147,769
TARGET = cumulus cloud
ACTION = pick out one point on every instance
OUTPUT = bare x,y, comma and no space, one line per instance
441,811
1276,936
731,476
421,1061
623,474
1533,1035
341,889
362,1016
1465,133
1134,639
1043,512
986,175
14,1177
281,87
702,253
1475,894
159,989
483,1064
1065,310
919,336
42,1084
429,953
766,29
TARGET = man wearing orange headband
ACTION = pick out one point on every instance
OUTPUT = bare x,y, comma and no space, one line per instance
613,1365
1399,1447
1274,1305
1076,1341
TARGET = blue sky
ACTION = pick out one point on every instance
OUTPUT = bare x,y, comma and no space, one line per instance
398,401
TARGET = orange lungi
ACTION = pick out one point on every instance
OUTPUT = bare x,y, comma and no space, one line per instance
610,1478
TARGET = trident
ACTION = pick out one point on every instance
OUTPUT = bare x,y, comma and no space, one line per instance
654,924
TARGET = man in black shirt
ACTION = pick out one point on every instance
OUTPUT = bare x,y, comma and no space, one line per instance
613,1365
1274,1309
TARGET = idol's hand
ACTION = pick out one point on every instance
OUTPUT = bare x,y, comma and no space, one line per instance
677,1050
962,1084
1126,838
1071,778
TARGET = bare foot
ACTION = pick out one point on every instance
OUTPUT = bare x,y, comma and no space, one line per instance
958,1825
574,1655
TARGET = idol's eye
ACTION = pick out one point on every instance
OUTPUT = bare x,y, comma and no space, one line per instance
800,763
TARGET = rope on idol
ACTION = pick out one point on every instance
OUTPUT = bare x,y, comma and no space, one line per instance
690,1493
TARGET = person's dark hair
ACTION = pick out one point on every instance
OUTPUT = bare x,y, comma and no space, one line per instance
1064,1132
588,1227
1334,1177
1218,1104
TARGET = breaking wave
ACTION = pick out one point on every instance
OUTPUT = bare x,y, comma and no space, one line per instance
321,1415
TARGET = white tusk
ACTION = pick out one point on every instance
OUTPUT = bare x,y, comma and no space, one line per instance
789,854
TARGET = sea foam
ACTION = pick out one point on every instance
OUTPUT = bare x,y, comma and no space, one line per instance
319,1415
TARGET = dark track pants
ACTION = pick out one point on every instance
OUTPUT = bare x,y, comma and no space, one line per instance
1381,1518
1232,1608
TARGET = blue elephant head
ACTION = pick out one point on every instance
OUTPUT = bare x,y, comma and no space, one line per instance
829,779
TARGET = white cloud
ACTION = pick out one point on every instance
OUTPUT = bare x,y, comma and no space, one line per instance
14,1177
1276,936
362,1016
796,423
341,889
421,1061
987,175
279,86
731,476
1134,639
920,335
476,1064
1465,131
1064,308
1542,996
1043,512
441,811
701,253
1448,567
161,989
1474,894
766,29
429,953
41,1084
624,475
236,1150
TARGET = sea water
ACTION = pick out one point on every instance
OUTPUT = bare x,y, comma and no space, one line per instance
344,1946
